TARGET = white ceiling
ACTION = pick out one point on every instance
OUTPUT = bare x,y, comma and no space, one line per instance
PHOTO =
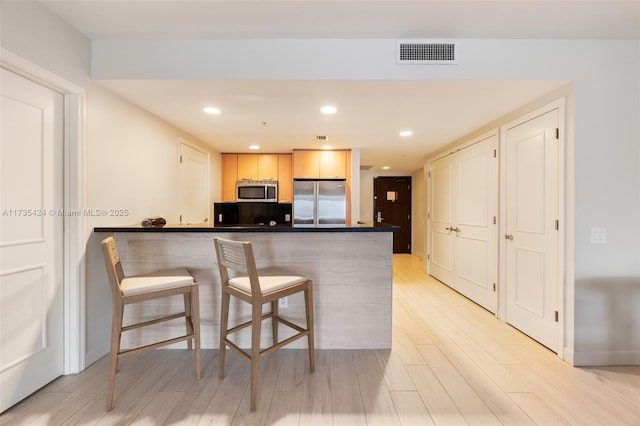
104,19
370,114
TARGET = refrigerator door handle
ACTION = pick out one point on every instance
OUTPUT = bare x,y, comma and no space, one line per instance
316,220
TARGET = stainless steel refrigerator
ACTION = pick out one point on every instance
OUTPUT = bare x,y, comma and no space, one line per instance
319,203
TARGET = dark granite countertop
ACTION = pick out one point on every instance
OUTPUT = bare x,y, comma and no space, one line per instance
246,228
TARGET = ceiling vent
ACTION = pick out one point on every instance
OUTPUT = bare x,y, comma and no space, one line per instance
365,167
426,52
322,138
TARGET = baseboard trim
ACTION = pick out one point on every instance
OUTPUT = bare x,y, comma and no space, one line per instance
95,355
605,358
567,356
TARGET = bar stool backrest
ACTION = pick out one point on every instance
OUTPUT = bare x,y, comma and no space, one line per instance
237,256
114,272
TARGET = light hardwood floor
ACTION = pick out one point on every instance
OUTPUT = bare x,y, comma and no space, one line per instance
452,362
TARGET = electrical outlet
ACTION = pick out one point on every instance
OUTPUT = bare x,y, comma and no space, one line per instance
598,235
283,302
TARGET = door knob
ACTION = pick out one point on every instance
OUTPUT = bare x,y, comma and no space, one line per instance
508,237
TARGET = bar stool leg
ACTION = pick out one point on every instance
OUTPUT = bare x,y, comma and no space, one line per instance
308,294
187,317
224,325
274,321
256,328
195,323
116,330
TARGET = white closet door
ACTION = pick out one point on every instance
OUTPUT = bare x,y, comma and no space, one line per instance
476,235
464,232
441,212
532,239
31,244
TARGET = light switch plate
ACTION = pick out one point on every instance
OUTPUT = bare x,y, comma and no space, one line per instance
598,235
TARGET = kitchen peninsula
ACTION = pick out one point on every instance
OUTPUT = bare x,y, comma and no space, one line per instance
351,268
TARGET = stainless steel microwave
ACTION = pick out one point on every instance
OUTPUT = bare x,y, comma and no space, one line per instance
257,190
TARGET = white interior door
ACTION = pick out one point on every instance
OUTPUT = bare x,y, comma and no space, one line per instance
194,185
476,231
532,260
441,220
31,244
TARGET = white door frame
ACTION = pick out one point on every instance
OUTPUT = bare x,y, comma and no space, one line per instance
74,187
560,105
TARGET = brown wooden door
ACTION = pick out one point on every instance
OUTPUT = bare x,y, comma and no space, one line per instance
392,206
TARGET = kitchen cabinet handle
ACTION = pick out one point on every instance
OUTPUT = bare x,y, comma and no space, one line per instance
508,237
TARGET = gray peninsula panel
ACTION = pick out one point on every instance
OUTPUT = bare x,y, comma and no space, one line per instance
351,269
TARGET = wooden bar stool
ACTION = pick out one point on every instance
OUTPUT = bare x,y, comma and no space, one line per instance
138,288
257,290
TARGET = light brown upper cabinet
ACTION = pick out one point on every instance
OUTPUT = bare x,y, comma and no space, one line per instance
306,164
257,166
285,181
268,167
237,167
247,167
229,176
333,165
319,164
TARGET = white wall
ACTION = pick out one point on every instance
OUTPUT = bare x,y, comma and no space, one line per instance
132,164
31,31
134,160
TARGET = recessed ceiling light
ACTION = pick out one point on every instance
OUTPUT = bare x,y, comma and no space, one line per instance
406,133
326,147
212,110
385,167
254,147
328,109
